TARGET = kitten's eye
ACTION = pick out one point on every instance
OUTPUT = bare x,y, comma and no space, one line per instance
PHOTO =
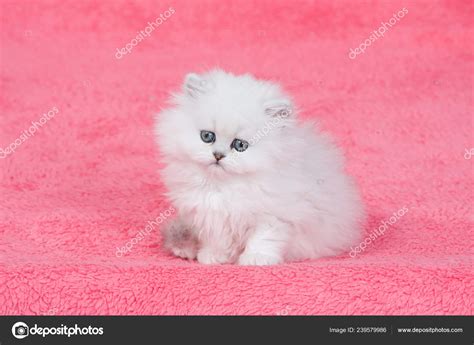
208,137
239,145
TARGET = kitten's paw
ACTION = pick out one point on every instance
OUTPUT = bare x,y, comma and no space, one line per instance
207,256
189,253
180,240
257,259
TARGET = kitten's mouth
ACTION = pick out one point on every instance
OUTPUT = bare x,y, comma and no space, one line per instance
216,165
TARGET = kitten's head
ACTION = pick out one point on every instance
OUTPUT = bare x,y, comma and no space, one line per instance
225,124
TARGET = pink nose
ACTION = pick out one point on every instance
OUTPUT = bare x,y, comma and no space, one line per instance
218,156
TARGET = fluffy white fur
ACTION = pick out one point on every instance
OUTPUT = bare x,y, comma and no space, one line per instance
285,198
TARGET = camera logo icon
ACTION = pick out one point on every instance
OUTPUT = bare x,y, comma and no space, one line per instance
20,330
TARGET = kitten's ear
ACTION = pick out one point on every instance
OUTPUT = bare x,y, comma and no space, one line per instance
278,108
194,85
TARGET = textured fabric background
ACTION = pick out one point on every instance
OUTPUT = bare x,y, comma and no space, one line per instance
86,182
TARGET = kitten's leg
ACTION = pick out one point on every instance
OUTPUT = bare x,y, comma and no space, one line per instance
213,255
179,239
266,245
219,249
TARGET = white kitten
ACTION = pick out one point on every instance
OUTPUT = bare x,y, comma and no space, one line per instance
251,184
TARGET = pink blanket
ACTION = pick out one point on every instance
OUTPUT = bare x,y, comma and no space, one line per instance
80,198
